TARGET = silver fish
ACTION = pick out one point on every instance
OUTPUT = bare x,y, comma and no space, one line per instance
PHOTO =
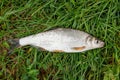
61,40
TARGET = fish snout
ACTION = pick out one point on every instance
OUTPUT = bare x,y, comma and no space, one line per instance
102,44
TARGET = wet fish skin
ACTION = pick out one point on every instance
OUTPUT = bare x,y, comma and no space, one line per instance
62,40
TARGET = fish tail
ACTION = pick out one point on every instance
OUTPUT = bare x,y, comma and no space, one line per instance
14,43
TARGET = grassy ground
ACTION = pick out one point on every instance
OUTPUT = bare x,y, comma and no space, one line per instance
19,18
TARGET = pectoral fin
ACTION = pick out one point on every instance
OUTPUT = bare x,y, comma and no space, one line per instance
78,48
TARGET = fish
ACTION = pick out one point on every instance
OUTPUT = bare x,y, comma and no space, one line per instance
60,40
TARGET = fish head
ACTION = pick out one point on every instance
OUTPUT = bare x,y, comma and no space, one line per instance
94,42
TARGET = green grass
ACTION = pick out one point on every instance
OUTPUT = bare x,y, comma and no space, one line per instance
22,18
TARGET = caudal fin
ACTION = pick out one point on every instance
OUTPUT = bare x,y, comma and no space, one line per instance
14,43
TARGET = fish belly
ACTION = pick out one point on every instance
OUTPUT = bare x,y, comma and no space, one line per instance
59,43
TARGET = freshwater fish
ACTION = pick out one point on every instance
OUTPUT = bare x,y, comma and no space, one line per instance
60,40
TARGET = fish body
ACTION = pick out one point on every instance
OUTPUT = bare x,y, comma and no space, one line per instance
62,40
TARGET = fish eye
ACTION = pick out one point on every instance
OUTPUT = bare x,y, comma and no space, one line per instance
97,41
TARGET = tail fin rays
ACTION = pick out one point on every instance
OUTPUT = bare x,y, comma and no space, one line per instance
14,43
